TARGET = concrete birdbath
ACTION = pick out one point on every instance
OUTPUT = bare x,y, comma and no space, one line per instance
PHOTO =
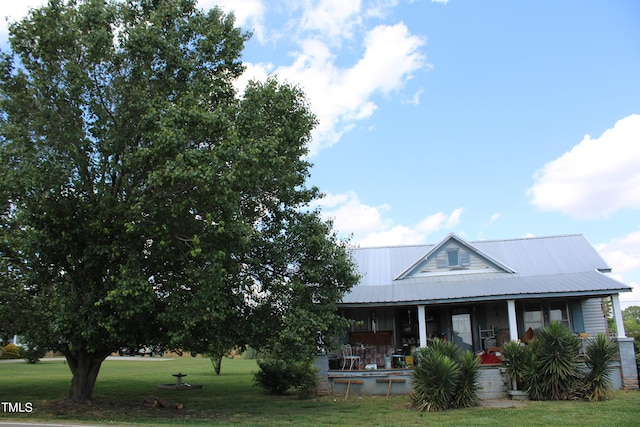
179,385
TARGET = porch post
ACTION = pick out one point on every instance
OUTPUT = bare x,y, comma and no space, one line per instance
422,326
617,316
513,324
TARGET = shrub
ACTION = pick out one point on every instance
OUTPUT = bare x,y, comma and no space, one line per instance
597,381
515,358
277,376
11,351
305,380
548,368
444,377
32,354
467,394
532,377
556,352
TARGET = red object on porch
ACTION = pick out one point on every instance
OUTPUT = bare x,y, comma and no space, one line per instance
489,358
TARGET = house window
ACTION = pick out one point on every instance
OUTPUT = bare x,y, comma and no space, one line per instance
453,258
533,316
384,319
558,311
362,320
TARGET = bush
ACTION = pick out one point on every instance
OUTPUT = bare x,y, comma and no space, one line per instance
548,368
444,377
556,360
515,358
32,354
277,376
11,351
597,381
467,394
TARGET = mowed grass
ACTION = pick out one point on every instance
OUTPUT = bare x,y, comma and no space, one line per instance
232,399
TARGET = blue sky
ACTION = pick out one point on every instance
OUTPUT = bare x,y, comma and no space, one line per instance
489,119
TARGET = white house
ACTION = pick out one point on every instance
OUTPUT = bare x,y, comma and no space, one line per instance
482,294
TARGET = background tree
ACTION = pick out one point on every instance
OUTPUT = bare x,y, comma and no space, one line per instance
143,201
631,319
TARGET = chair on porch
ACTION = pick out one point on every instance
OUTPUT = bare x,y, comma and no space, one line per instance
348,357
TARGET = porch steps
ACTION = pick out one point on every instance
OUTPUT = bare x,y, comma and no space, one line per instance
492,383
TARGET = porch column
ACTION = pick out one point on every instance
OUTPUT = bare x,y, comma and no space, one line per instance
422,326
617,316
513,324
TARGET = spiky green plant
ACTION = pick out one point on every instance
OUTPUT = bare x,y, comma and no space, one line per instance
436,379
467,394
514,359
601,352
556,361
446,348
532,376
444,377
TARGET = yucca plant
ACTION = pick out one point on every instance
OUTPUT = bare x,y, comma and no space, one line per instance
556,361
514,362
436,379
467,394
446,348
444,377
532,376
601,352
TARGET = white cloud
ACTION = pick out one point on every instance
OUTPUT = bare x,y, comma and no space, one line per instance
597,177
342,96
13,11
415,99
249,14
351,216
403,235
369,226
623,256
335,19
494,218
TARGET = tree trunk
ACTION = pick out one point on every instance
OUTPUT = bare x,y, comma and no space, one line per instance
216,361
84,367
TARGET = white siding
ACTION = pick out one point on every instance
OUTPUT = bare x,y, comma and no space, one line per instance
593,315
476,262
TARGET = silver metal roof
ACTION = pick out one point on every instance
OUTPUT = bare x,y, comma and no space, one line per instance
540,267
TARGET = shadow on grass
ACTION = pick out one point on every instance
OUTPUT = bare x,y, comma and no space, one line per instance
232,398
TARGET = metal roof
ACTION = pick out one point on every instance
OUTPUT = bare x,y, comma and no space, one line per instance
538,267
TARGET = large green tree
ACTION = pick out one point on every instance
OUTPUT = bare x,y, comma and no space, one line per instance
144,201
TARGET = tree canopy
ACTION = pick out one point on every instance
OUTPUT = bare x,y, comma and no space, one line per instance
144,201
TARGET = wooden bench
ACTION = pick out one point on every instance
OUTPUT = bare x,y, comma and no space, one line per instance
390,381
348,382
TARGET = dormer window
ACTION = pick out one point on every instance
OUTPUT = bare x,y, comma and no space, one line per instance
453,258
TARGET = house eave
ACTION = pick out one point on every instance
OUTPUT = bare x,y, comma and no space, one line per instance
487,298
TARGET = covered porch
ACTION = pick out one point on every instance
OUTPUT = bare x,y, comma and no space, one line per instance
385,331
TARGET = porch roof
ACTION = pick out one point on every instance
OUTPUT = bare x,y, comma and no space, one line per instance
541,267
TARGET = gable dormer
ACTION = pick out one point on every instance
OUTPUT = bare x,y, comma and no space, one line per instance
454,255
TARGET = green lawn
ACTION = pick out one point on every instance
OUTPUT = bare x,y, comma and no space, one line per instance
231,398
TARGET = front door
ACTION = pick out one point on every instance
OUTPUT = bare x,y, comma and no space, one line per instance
461,330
